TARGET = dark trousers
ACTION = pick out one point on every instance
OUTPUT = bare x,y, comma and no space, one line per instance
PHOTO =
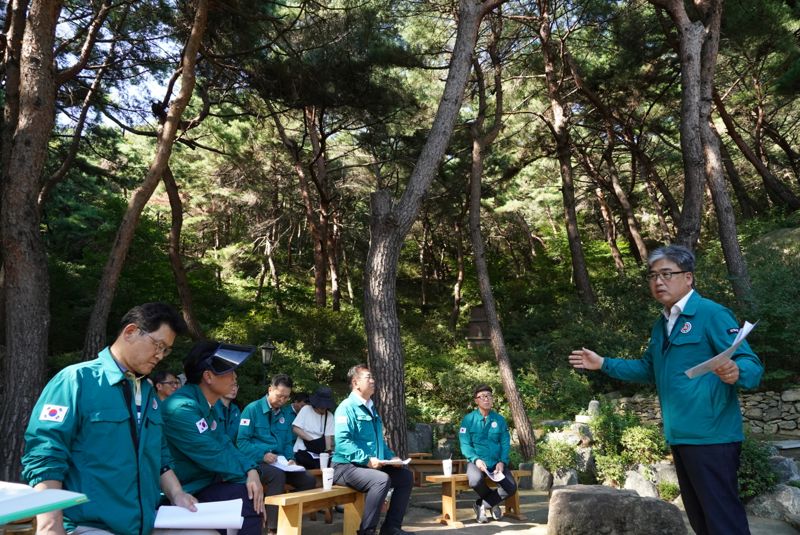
375,483
274,481
304,459
505,488
709,488
217,492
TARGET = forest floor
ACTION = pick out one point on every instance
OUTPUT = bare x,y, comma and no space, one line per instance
426,506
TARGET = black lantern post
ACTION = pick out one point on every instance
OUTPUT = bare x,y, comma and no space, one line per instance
267,352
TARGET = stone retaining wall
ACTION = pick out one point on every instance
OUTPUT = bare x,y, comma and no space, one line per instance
763,412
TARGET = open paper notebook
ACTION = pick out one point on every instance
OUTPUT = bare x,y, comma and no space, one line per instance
19,501
209,515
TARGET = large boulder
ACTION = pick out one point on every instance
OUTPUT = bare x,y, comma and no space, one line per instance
641,485
785,468
780,502
564,476
595,509
542,478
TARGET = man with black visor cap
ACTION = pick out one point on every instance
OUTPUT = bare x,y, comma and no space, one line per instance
205,459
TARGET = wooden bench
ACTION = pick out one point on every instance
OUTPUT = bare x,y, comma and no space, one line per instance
291,507
420,467
452,485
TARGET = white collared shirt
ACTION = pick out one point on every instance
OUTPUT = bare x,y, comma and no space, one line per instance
676,310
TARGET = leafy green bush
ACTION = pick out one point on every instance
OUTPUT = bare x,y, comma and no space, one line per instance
611,468
756,476
556,454
668,491
608,427
644,443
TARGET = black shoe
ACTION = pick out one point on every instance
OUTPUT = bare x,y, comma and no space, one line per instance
496,513
480,513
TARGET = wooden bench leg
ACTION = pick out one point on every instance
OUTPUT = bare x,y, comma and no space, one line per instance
290,519
513,508
449,504
353,512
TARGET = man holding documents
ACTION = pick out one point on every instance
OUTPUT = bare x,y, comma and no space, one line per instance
361,455
486,443
206,461
702,419
97,429
265,436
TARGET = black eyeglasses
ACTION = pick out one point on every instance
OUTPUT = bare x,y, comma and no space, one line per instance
176,384
665,275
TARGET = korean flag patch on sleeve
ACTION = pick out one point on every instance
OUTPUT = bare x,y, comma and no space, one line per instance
462,430
244,421
202,425
53,413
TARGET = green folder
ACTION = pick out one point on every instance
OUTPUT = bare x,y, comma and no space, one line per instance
19,501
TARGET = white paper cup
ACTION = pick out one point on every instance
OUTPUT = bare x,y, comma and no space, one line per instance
327,478
323,460
447,467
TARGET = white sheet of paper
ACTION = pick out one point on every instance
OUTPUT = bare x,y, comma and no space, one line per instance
499,476
209,515
718,360
283,464
19,501
396,461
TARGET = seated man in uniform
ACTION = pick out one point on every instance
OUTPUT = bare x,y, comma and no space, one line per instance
360,454
228,412
485,443
265,432
206,460
97,429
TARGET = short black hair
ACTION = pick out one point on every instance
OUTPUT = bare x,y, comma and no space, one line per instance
160,375
150,316
200,351
281,379
353,372
481,388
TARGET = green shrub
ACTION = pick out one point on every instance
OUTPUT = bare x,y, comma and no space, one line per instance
556,454
756,476
608,426
668,491
794,483
611,468
644,443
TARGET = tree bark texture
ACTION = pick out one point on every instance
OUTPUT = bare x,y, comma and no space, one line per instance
27,286
390,223
96,330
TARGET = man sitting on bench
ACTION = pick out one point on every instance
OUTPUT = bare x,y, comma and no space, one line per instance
485,442
360,455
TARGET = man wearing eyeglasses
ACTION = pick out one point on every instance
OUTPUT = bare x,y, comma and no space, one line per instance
165,383
97,429
265,432
486,444
361,454
206,461
701,416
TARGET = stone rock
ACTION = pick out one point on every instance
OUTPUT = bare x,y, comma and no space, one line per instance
665,473
446,448
585,461
595,510
594,408
755,412
641,485
783,500
542,479
791,395
421,439
787,425
583,432
678,502
525,481
565,477
773,413
564,436
770,429
583,418
785,468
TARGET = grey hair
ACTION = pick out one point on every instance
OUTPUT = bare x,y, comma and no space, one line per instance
679,254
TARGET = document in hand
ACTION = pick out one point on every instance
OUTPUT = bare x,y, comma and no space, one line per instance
496,476
19,501
209,515
396,462
283,464
717,361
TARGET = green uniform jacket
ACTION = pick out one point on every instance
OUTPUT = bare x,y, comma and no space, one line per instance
703,410
228,417
261,432
488,441
358,433
203,453
82,433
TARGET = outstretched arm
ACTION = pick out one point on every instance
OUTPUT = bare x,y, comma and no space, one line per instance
585,359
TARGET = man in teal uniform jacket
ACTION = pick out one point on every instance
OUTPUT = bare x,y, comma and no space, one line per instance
486,443
206,461
265,432
97,429
360,454
702,418
228,412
